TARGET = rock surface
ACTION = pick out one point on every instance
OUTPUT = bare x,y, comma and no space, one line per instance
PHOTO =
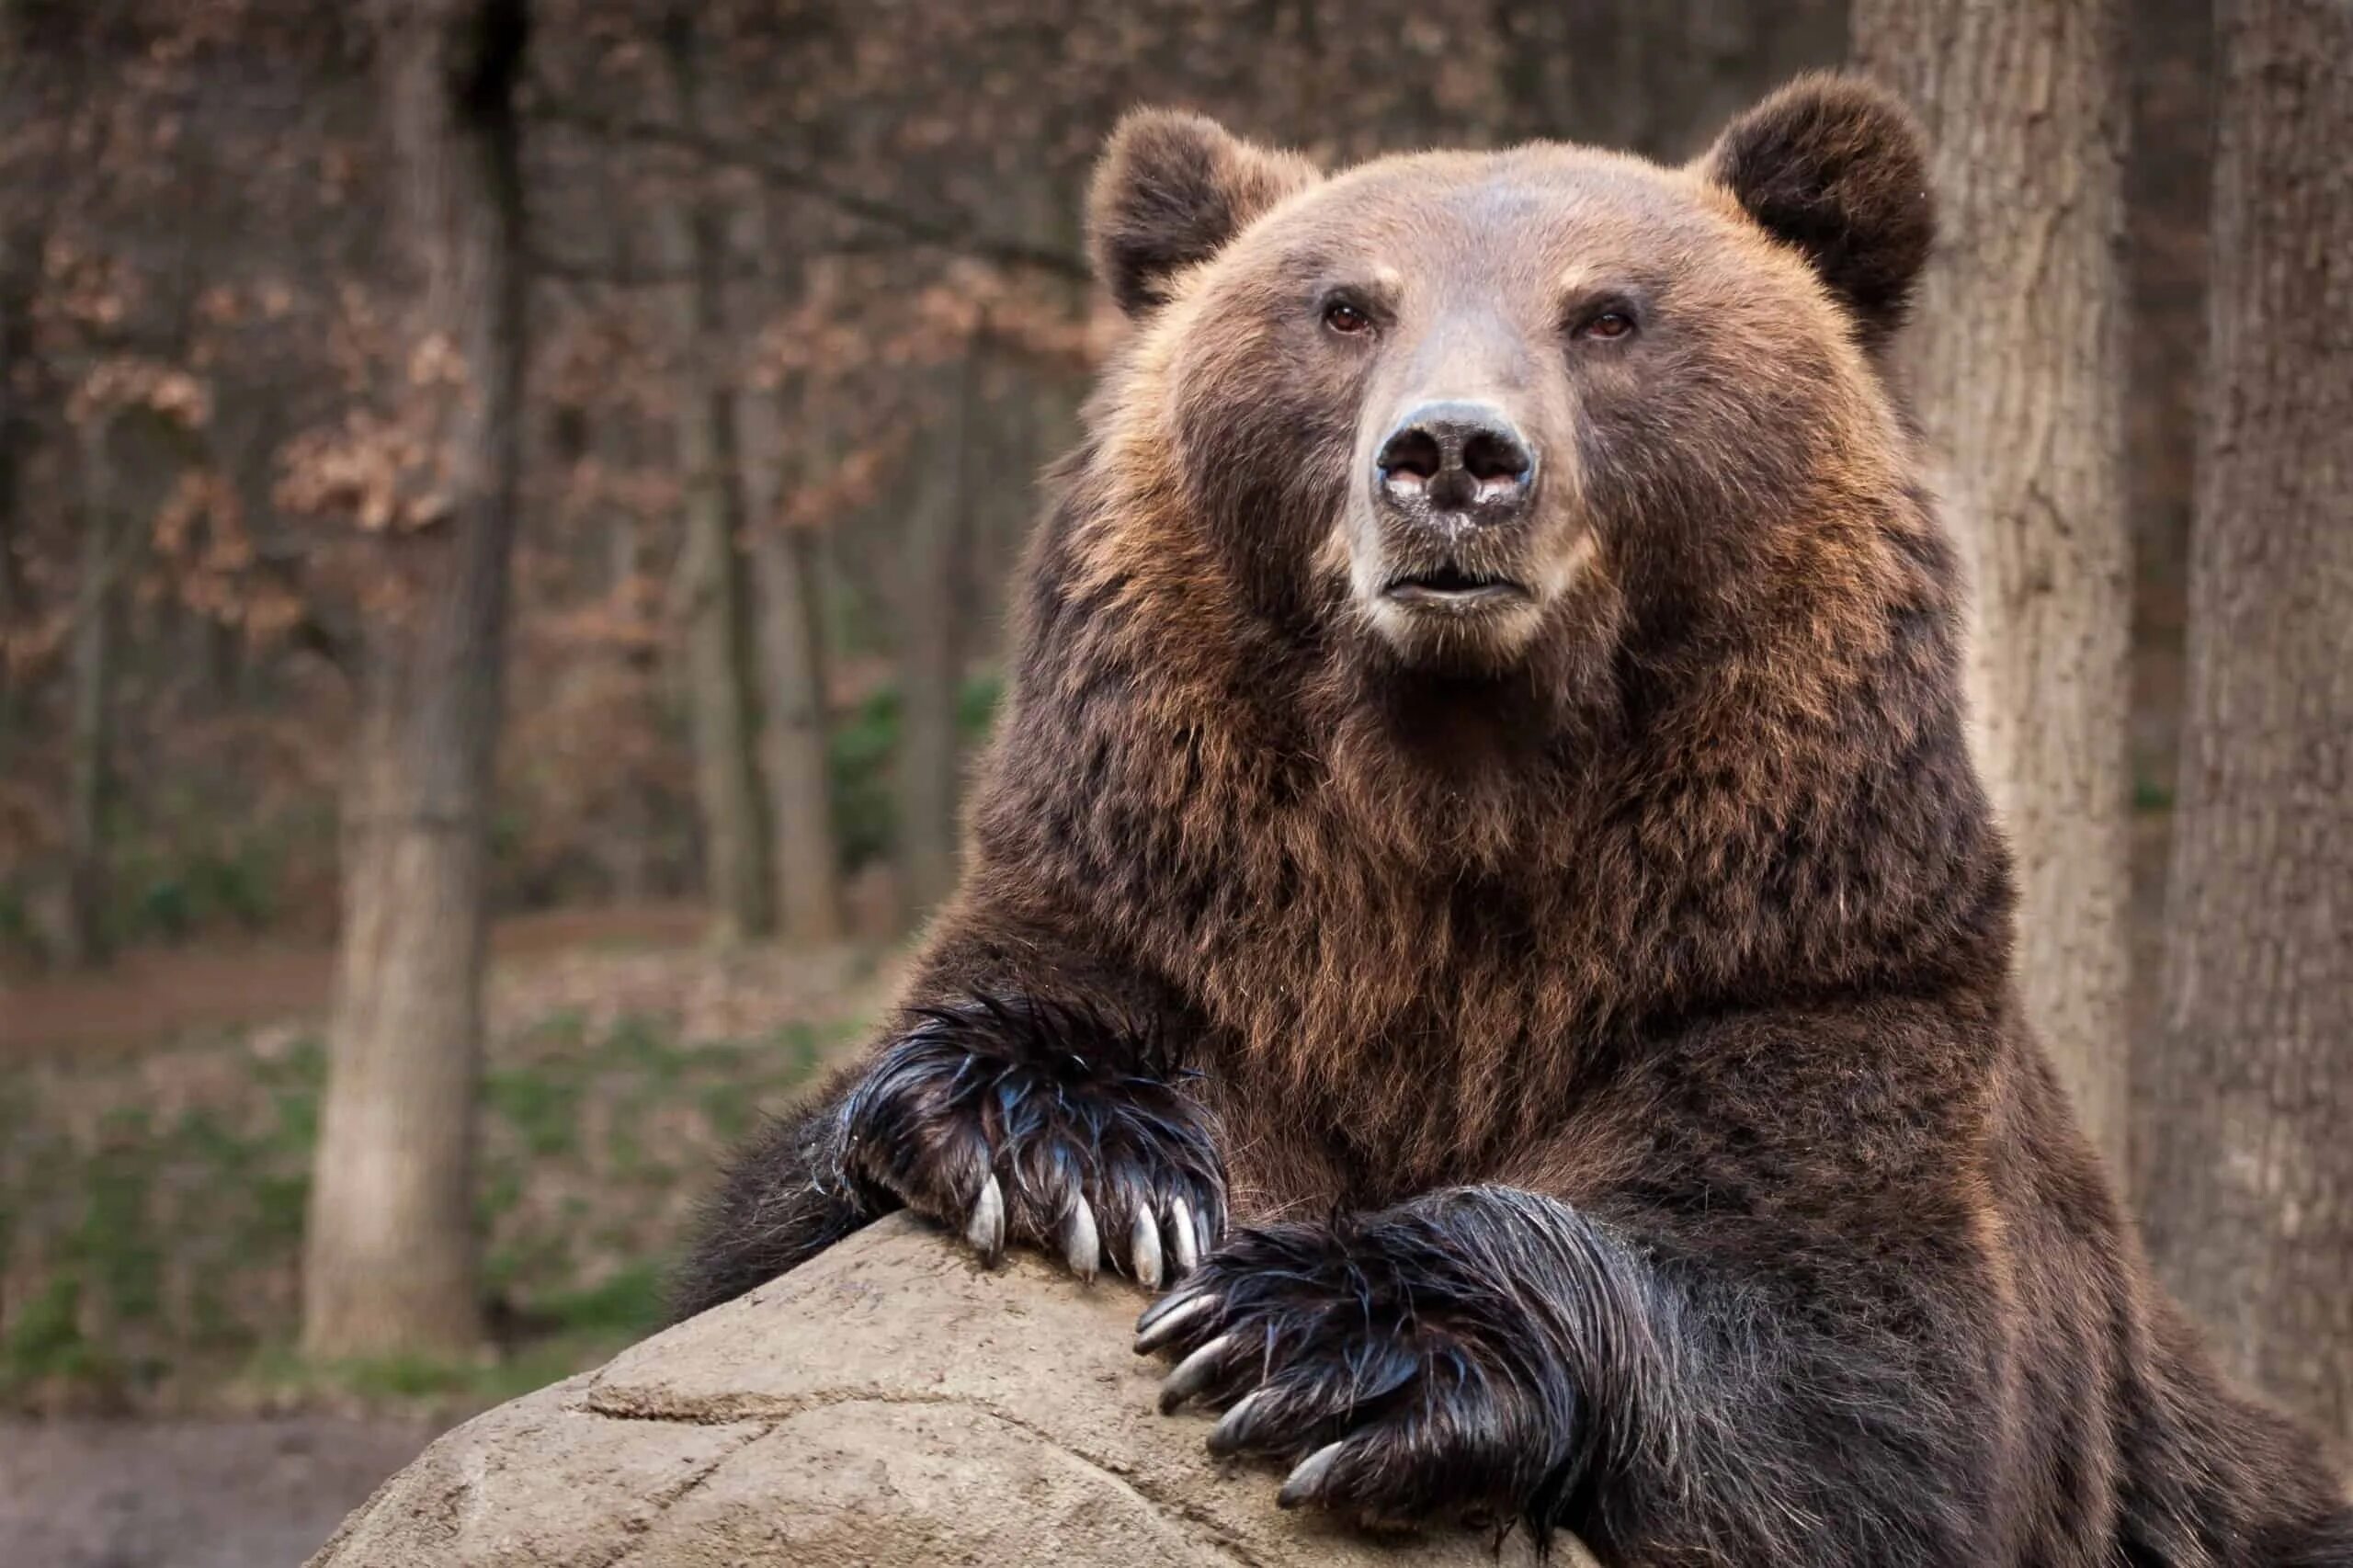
888,1403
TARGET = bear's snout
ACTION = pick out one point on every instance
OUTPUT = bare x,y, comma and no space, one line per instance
1446,465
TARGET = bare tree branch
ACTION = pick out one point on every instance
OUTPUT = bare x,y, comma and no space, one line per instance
959,233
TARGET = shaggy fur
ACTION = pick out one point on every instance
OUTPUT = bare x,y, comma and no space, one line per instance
1593,1009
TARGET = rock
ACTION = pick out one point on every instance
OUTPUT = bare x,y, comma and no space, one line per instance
888,1403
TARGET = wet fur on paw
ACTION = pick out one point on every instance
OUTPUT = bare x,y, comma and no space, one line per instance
1397,1363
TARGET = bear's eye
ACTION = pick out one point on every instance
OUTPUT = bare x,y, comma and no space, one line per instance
1345,319
1608,324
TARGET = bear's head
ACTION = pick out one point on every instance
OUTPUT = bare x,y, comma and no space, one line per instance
1474,414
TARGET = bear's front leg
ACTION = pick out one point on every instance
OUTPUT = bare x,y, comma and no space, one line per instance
1005,1118
1449,1359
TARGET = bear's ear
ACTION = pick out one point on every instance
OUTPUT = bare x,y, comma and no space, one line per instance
1171,190
1837,169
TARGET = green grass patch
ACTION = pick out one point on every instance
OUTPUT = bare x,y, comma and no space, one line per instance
115,1242
625,1304
280,1199
728,1110
541,1105
565,1030
282,1375
46,1342
643,1047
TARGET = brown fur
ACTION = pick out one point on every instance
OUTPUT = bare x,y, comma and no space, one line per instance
1675,902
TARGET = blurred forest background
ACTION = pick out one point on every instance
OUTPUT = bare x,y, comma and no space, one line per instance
542,479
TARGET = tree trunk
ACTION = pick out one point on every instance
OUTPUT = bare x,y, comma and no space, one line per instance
788,568
809,889
98,612
929,648
722,696
788,571
20,276
2018,363
627,846
2246,1168
389,1259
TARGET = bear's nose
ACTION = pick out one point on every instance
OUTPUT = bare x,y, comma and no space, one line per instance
1457,458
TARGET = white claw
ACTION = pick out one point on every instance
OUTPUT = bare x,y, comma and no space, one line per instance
1229,1426
985,1229
1143,1249
1182,1238
1082,1246
1301,1484
1165,1321
1193,1373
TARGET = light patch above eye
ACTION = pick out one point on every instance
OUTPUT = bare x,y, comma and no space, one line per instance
1575,280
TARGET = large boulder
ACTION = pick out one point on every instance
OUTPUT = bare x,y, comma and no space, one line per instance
888,1403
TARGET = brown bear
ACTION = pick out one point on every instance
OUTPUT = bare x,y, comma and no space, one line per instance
1479,884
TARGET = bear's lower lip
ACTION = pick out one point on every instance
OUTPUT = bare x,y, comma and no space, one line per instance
1452,592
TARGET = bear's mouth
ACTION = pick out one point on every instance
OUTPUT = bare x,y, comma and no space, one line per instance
1453,586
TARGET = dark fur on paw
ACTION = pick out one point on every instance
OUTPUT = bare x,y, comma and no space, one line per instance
1011,1119
1379,1358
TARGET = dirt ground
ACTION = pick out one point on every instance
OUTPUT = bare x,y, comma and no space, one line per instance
154,993
218,1494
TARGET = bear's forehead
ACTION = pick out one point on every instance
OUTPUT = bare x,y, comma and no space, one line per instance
1539,212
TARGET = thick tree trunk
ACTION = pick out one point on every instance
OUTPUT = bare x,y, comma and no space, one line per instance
390,1260
723,700
788,572
2017,362
929,651
2246,1167
92,657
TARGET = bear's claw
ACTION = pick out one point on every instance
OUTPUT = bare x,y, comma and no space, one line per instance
1185,1237
1195,1373
1082,1244
1062,1150
1167,1318
1143,1249
985,1230
1302,1483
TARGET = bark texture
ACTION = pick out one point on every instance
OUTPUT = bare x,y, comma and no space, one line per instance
389,1258
20,276
779,431
2017,363
2246,1170
808,889
722,693
92,657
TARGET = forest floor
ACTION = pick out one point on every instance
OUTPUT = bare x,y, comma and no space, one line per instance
153,995
152,1413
